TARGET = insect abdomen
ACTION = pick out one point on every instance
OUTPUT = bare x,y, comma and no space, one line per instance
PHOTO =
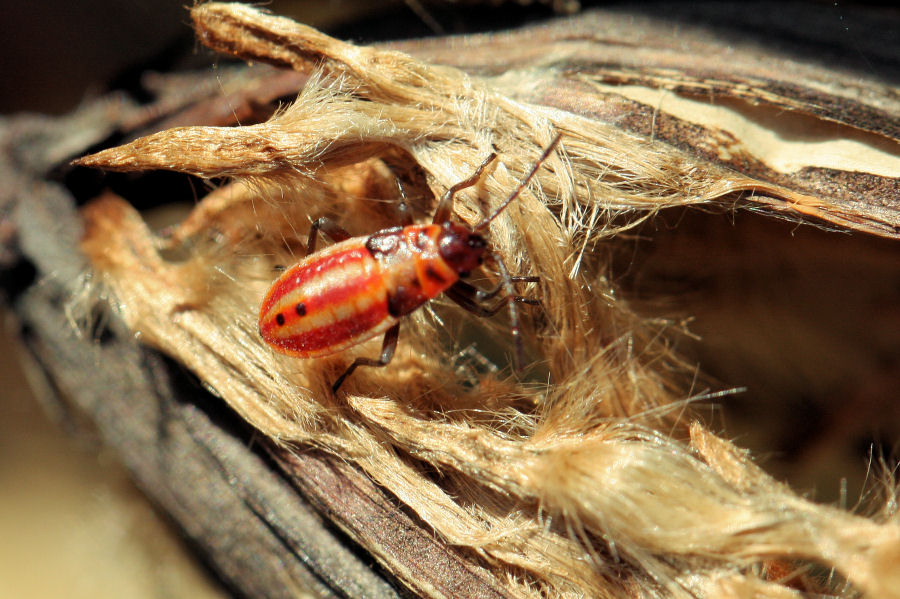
354,290
327,302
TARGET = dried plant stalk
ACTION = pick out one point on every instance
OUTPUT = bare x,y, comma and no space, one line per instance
564,488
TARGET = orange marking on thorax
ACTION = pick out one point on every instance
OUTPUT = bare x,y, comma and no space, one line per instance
432,272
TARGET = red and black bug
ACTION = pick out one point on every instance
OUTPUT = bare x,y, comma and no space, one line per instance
361,286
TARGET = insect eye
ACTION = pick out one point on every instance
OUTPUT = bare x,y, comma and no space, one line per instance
280,319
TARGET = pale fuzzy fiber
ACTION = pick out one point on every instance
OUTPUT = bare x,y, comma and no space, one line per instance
586,484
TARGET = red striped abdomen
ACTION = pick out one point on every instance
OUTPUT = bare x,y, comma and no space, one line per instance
327,302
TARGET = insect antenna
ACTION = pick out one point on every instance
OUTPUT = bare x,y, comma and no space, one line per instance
547,151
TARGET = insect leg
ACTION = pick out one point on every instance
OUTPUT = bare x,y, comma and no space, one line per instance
387,352
445,206
480,295
406,217
330,228
471,304
467,296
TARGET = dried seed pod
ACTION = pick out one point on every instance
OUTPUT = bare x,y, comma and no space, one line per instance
562,489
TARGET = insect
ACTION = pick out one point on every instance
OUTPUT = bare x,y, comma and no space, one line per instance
361,286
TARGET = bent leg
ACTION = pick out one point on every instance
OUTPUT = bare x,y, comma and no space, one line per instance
387,353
